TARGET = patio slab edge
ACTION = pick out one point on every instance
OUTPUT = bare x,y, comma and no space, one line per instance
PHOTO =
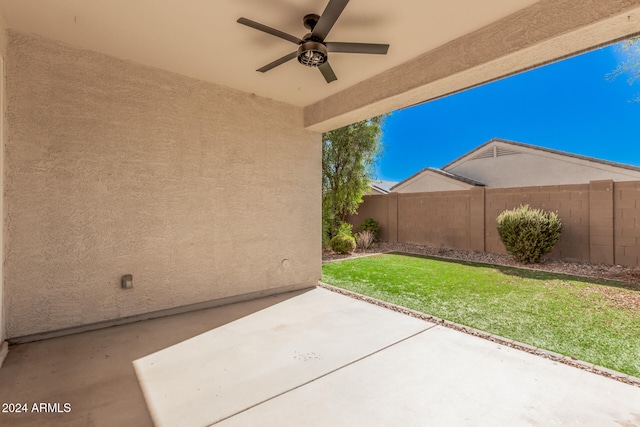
547,354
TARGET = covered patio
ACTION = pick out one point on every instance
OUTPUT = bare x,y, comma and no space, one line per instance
149,171
311,357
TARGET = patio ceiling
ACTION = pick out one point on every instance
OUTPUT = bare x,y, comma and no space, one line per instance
201,39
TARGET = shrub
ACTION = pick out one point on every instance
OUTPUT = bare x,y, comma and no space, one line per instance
345,229
364,239
370,224
343,244
527,233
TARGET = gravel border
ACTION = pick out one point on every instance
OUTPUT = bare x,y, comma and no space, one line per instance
556,357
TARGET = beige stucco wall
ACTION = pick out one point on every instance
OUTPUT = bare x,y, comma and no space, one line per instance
201,192
526,169
3,54
430,181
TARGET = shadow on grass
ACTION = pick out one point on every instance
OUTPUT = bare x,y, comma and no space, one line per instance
526,273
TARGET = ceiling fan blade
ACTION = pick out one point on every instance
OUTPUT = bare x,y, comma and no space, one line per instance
379,49
269,30
277,62
327,72
329,17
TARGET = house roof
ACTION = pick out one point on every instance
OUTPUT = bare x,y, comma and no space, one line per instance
455,50
440,172
382,186
478,151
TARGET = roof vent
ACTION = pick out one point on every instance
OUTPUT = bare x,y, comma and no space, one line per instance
484,154
500,151
494,151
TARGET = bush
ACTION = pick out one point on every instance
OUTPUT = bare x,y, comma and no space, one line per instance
345,229
370,224
364,239
528,234
343,244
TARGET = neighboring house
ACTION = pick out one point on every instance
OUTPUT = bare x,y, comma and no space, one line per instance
380,187
500,163
432,179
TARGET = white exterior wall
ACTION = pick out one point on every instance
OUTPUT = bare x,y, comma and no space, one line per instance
201,192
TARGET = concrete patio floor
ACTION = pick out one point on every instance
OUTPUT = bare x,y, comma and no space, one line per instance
305,358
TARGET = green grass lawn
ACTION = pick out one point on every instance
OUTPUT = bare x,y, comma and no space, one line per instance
596,321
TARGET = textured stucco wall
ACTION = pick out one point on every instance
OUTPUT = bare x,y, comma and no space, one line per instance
3,54
201,192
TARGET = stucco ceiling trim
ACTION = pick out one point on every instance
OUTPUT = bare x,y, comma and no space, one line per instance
542,33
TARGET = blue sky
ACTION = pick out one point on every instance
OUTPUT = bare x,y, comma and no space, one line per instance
568,106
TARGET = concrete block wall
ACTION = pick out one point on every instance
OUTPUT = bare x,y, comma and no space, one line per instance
439,219
477,208
601,222
626,220
570,201
377,206
601,219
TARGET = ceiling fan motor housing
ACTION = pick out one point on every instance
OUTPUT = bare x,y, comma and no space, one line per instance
312,52
309,21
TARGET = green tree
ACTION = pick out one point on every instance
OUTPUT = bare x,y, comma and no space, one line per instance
348,156
630,66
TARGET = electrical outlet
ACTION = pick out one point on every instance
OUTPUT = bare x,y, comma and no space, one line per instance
127,281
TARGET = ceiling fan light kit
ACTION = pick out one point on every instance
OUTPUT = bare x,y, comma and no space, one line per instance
312,54
313,51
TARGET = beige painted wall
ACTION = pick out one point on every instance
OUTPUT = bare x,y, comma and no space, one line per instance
201,192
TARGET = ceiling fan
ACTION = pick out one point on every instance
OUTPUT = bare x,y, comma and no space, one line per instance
313,51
